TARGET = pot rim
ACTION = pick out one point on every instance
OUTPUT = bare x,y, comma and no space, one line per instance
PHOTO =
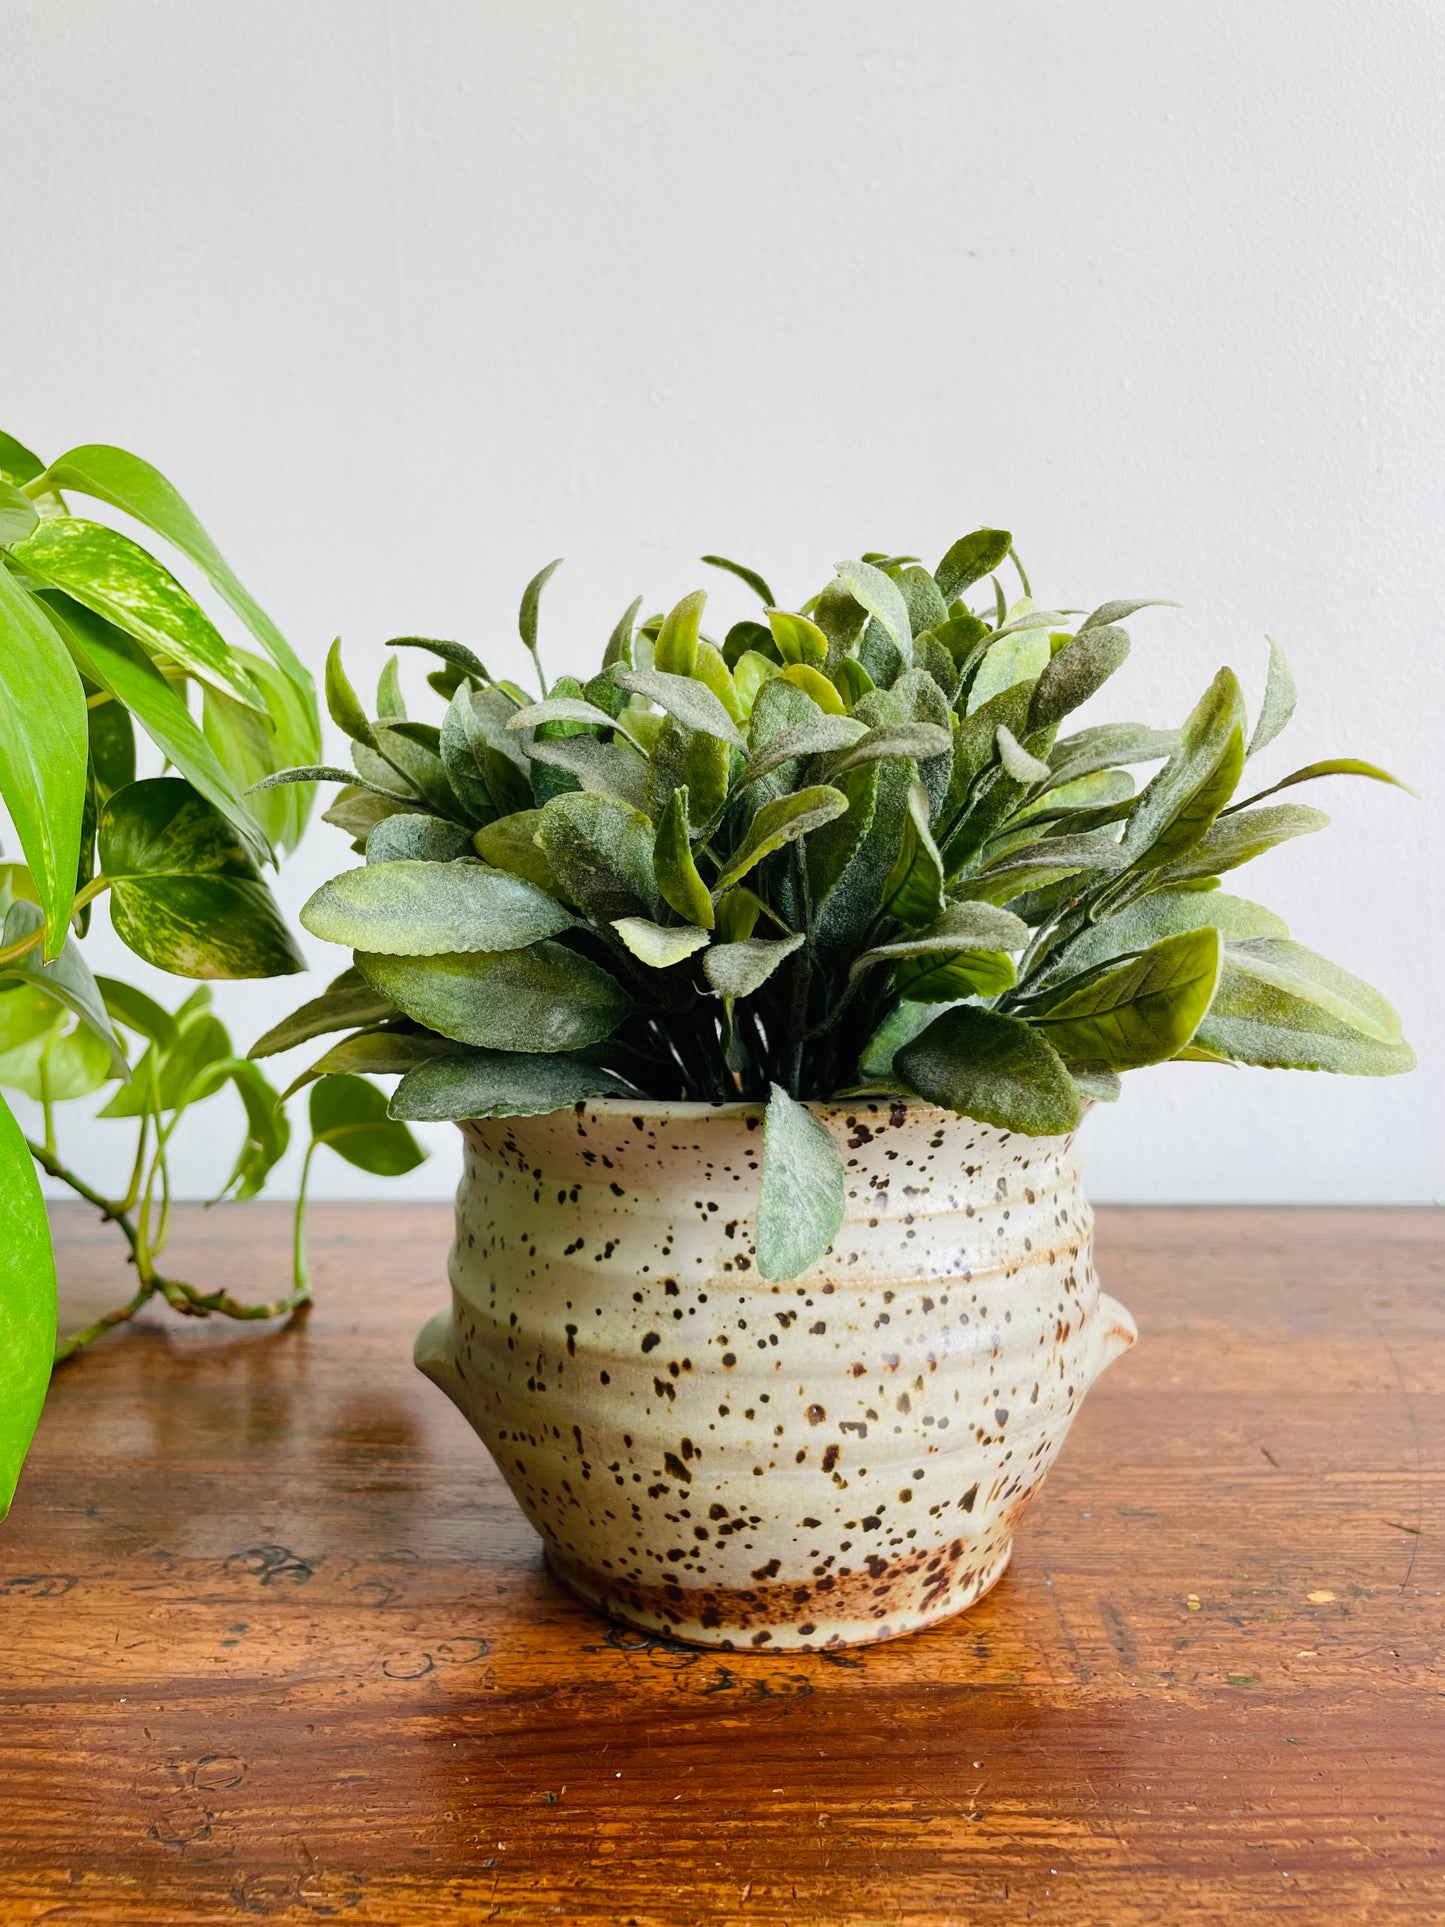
692,1110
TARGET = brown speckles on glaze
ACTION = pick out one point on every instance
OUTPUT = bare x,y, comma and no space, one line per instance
863,1472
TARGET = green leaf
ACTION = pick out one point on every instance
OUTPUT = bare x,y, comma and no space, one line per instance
358,811
26,1014
44,747
683,889
390,703
849,863
398,798
712,670
115,577
737,915
511,844
658,945
377,1053
67,980
18,514
17,463
1256,1019
1109,613
950,975
919,741
268,1130
502,758
462,746
963,926
185,892
1017,655
347,1001
1184,798
406,908
126,482
560,709
1279,699
902,1024
798,639
675,651
1143,1012
455,653
1304,974
924,602
914,890
738,969
970,559
531,598
601,855
27,1303
112,745
1016,760
545,998
1107,746
244,745
1336,766
165,1078
1164,913
818,736
415,750
131,1007
1082,797
690,760
619,644
117,664
1097,1082
427,839
997,1069
350,1117
59,1065
754,581
691,703
1232,840
1049,860
778,824
881,596
800,1195
1078,671
779,706
499,1084
343,705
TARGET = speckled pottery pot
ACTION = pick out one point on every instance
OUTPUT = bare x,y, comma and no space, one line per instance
820,1463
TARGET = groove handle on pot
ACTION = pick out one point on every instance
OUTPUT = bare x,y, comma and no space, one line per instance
1114,1332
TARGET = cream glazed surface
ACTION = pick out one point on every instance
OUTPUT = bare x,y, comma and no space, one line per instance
840,1458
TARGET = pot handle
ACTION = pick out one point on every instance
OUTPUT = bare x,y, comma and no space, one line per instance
435,1354
1114,1332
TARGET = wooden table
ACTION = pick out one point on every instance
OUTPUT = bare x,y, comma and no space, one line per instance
277,1644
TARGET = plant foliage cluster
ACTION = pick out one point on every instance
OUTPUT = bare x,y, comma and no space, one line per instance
847,848
104,655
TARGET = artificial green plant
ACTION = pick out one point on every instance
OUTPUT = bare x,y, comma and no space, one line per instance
847,849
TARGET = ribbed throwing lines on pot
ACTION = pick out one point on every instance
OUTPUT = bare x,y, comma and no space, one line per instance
840,1458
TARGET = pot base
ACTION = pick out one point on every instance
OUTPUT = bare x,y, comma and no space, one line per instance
670,1611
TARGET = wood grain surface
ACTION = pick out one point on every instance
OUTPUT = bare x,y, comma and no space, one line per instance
276,1644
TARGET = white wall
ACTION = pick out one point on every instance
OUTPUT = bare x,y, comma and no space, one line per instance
411,297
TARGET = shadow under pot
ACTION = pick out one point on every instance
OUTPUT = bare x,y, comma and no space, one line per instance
743,1464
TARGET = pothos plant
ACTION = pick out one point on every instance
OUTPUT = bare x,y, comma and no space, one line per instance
846,849
100,644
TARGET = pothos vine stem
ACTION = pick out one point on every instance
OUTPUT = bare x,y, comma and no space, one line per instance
185,1298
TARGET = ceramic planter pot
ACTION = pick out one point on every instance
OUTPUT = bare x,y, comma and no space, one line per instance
833,1460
